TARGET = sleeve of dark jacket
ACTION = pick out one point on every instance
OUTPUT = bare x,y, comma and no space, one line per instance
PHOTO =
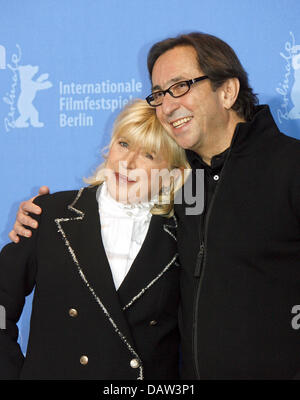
17,278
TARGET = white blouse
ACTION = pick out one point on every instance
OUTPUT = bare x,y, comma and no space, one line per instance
123,229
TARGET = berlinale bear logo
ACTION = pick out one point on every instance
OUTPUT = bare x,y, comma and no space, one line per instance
29,87
24,88
289,89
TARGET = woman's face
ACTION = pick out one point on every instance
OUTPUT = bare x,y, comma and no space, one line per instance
132,174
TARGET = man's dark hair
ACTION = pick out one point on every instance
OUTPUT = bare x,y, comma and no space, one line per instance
217,60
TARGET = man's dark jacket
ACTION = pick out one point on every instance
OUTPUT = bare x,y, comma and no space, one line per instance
236,317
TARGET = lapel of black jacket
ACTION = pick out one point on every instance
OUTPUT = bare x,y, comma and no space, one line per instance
157,254
82,236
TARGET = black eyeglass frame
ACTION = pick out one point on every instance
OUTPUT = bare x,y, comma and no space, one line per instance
189,82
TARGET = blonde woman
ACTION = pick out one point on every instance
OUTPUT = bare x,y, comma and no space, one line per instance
104,265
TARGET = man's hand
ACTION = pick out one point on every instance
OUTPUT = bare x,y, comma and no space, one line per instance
24,219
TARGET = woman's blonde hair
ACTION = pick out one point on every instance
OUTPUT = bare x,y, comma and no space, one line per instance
138,123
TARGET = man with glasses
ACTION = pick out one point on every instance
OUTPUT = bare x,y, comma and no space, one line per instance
240,258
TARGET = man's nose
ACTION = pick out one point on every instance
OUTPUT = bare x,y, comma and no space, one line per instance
169,104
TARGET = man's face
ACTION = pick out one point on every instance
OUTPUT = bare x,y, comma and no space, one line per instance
193,118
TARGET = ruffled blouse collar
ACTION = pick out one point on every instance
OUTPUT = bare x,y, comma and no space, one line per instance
109,205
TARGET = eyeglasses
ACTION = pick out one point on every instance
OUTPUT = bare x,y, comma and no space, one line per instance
179,89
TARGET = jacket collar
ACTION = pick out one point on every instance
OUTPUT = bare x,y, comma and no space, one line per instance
89,245
247,134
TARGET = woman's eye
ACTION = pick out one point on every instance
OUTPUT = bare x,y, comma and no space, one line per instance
123,144
150,156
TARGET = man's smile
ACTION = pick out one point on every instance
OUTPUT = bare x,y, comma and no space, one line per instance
180,122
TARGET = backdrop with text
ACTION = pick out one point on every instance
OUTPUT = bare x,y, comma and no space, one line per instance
68,67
